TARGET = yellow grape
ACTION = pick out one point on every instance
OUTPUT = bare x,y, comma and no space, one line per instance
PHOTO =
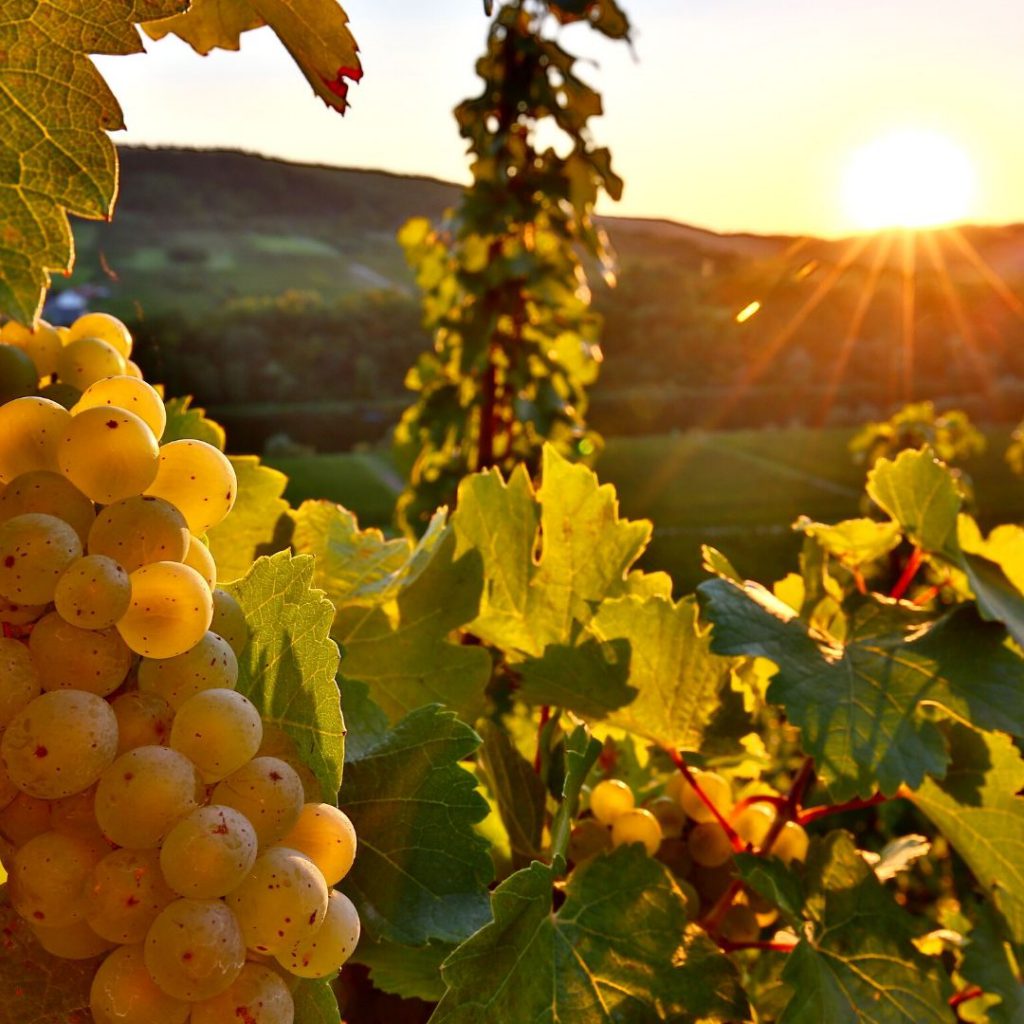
327,837
320,953
41,345
739,924
24,818
587,839
610,798
20,614
105,327
171,609
144,794
218,730
198,479
138,530
709,846
66,657
792,843
49,878
35,549
86,360
268,792
143,720
76,814
71,942
753,823
208,665
60,743
30,433
229,621
108,454
126,891
93,593
51,494
8,791
17,374
670,815
714,787
257,996
209,853
674,853
126,392
637,826
131,369
19,681
123,992
199,557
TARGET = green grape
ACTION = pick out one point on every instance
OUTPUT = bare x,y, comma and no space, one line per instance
126,891
199,480
257,996
63,394
129,393
201,560
170,611
86,360
51,494
739,924
123,993
143,720
610,798
20,614
229,621
194,949
105,327
637,826
66,657
268,792
108,454
709,845
209,665
587,839
754,823
17,373
93,593
19,681
144,794
218,730
670,815
49,878
139,530
714,787
42,345
327,837
71,942
712,883
60,743
24,818
674,853
31,430
280,900
209,853
791,844
35,549
319,953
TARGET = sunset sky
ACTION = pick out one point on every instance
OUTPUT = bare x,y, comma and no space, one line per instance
729,114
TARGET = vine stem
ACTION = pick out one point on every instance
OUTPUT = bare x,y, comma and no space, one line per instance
908,574
776,947
545,715
966,996
759,798
680,762
850,805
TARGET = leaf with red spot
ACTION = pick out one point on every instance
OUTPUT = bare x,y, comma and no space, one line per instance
314,32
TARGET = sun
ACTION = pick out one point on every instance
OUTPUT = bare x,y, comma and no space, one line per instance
911,178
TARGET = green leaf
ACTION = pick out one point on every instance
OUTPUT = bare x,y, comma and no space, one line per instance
314,32
366,723
287,669
976,808
585,551
422,872
856,963
581,753
187,421
770,878
853,541
517,789
36,987
412,972
919,493
995,572
55,156
859,703
988,964
259,524
315,1002
618,950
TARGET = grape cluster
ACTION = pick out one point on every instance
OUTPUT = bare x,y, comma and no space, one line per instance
146,812
681,831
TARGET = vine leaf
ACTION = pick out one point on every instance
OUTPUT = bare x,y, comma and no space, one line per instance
976,808
55,112
856,963
618,950
586,551
853,541
187,421
315,1002
422,872
859,703
987,964
412,972
314,32
288,667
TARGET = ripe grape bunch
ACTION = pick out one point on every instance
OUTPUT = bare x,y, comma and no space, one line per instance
146,813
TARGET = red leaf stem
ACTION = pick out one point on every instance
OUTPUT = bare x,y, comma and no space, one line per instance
776,947
908,574
545,715
679,761
966,996
814,813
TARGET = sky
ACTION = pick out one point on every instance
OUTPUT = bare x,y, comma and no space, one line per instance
735,115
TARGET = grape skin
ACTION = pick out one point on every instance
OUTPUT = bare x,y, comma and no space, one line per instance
588,838
754,823
257,996
322,952
138,530
143,720
85,360
709,845
71,942
208,665
219,730
126,891
49,877
714,787
35,549
24,818
19,681
42,345
126,392
268,792
791,844
199,480
326,835
93,593
51,494
31,430
637,826
123,992
105,327
171,609
207,854
610,798
229,621
66,657
199,558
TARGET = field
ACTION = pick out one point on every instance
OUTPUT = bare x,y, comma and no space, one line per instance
739,491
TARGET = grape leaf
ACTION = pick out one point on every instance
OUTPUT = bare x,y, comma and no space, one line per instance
187,421
976,808
259,523
412,972
856,962
55,112
315,1002
422,872
314,32
853,541
585,551
287,669
858,703
987,963
618,950
770,878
